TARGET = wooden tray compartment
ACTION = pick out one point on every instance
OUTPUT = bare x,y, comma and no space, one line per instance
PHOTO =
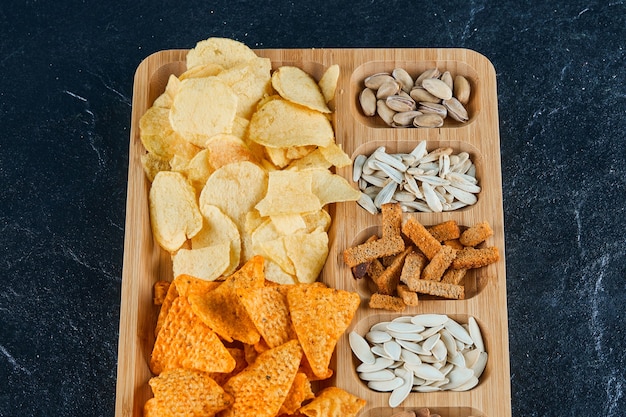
145,262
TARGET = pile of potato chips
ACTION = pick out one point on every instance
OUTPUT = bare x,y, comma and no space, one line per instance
239,157
246,346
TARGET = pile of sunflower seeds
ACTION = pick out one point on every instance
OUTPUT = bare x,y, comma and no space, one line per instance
421,181
426,101
422,353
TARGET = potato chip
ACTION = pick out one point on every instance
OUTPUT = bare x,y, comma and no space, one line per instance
202,108
218,228
288,192
221,309
332,188
281,124
297,86
250,80
320,315
159,138
201,71
235,188
197,170
167,97
261,388
319,219
209,262
328,82
287,224
315,159
183,392
185,341
333,402
335,155
267,307
174,213
275,251
153,164
222,51
300,391
274,273
307,252
187,285
225,149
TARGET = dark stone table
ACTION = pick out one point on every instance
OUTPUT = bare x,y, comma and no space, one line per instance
65,100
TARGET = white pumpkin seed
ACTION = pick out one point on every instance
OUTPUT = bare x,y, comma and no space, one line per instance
385,386
475,334
361,348
404,327
378,365
375,336
399,394
430,320
383,375
458,332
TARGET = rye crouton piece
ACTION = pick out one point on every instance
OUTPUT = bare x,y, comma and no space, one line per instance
414,263
447,230
475,258
386,302
476,234
388,280
392,220
418,234
438,265
369,251
440,289
409,297
454,276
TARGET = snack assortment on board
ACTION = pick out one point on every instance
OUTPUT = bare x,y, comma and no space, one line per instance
426,101
434,261
422,353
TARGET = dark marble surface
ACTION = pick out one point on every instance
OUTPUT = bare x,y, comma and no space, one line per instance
65,102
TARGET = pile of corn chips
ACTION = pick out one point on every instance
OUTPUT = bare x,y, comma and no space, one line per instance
240,158
246,346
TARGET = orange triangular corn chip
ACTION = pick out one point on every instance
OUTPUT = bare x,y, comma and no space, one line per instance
171,295
320,315
240,364
261,388
267,307
221,308
333,402
300,391
184,392
186,342
188,285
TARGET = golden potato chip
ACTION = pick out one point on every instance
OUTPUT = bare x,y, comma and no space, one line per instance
261,388
267,307
328,82
300,391
250,80
281,124
333,402
153,164
201,71
288,192
332,188
320,315
218,228
275,274
222,51
183,392
315,159
297,152
222,310
202,108
335,155
297,86
159,138
277,156
185,341
225,149
209,262
167,97
174,213
235,188
275,251
319,219
287,224
187,285
240,127
307,252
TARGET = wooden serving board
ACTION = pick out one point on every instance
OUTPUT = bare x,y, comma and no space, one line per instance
145,262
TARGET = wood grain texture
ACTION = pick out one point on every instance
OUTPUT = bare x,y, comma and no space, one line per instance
145,262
